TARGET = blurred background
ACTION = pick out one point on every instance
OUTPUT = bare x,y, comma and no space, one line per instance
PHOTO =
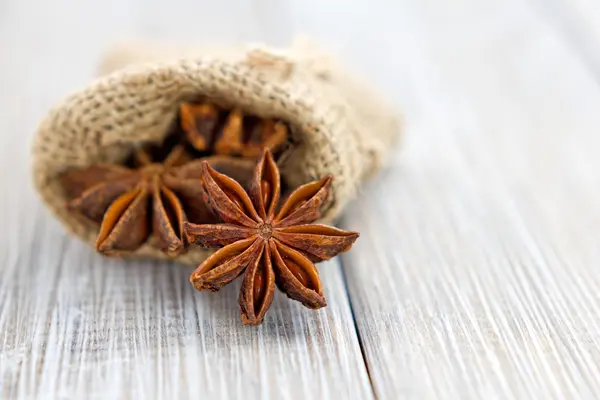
477,271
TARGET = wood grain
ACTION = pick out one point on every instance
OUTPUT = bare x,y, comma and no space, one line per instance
484,237
476,273
86,327
75,325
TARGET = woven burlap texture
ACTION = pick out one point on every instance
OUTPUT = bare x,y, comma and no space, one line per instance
340,126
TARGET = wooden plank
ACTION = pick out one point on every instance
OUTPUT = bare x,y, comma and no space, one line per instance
75,325
476,273
577,20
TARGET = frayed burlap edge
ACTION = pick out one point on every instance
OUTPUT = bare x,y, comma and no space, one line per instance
340,126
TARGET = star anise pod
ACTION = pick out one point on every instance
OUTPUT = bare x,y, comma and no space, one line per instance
274,247
156,197
209,128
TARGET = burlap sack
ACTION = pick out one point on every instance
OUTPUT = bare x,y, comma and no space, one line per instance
340,126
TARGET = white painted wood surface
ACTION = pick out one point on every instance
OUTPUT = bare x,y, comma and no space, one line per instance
477,271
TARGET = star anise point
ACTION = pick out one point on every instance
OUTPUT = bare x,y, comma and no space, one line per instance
231,132
149,203
269,247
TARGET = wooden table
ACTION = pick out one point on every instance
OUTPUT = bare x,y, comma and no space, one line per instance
477,273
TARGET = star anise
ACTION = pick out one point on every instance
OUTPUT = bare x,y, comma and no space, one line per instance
272,246
156,197
209,128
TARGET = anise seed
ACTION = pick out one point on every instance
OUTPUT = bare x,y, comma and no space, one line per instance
297,271
297,206
258,287
265,188
233,197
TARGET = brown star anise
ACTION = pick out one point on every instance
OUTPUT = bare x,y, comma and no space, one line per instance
210,128
155,197
272,246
